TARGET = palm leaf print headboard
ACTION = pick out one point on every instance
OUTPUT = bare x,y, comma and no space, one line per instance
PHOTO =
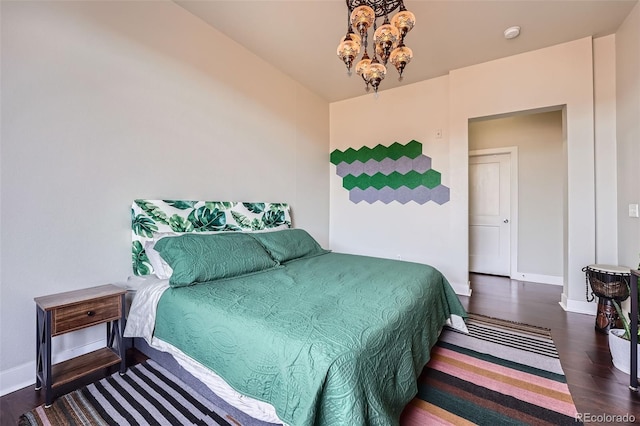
149,217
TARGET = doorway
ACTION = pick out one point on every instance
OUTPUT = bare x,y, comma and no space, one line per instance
537,198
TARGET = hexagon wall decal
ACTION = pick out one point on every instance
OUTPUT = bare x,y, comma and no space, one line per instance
389,173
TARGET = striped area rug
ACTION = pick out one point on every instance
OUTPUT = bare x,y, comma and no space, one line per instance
501,373
146,394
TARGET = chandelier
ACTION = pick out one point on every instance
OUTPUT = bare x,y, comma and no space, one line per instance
388,39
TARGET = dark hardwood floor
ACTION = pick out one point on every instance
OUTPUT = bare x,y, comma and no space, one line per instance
596,386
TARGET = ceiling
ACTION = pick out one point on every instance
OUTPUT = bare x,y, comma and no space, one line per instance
300,37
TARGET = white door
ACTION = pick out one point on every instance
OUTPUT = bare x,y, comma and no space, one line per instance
489,208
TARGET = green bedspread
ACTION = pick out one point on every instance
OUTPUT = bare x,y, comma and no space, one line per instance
334,339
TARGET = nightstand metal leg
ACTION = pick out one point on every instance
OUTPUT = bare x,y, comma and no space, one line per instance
120,332
43,353
110,334
39,339
47,360
115,331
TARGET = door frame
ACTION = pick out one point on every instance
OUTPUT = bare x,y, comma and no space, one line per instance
513,209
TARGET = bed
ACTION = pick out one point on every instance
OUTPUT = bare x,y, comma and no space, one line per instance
276,325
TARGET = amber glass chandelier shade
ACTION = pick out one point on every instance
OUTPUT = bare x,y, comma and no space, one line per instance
386,33
354,37
404,21
400,57
362,19
362,67
386,39
347,51
375,74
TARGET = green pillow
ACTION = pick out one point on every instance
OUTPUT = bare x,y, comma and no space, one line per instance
289,244
198,258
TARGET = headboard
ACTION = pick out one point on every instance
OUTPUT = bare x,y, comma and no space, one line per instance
149,217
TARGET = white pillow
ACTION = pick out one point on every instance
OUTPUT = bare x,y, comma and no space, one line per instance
135,282
160,267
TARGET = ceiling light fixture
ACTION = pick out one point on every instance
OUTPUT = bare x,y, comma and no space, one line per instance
388,39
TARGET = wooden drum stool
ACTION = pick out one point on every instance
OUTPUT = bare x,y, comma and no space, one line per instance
609,283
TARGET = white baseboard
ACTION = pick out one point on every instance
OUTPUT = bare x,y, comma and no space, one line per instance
24,375
578,306
537,278
462,289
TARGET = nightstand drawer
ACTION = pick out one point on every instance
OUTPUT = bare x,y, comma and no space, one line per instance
85,314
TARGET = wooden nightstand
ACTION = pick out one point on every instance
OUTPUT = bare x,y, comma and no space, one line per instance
62,313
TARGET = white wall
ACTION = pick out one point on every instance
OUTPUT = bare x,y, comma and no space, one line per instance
104,102
538,137
561,75
558,75
604,92
418,233
628,133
